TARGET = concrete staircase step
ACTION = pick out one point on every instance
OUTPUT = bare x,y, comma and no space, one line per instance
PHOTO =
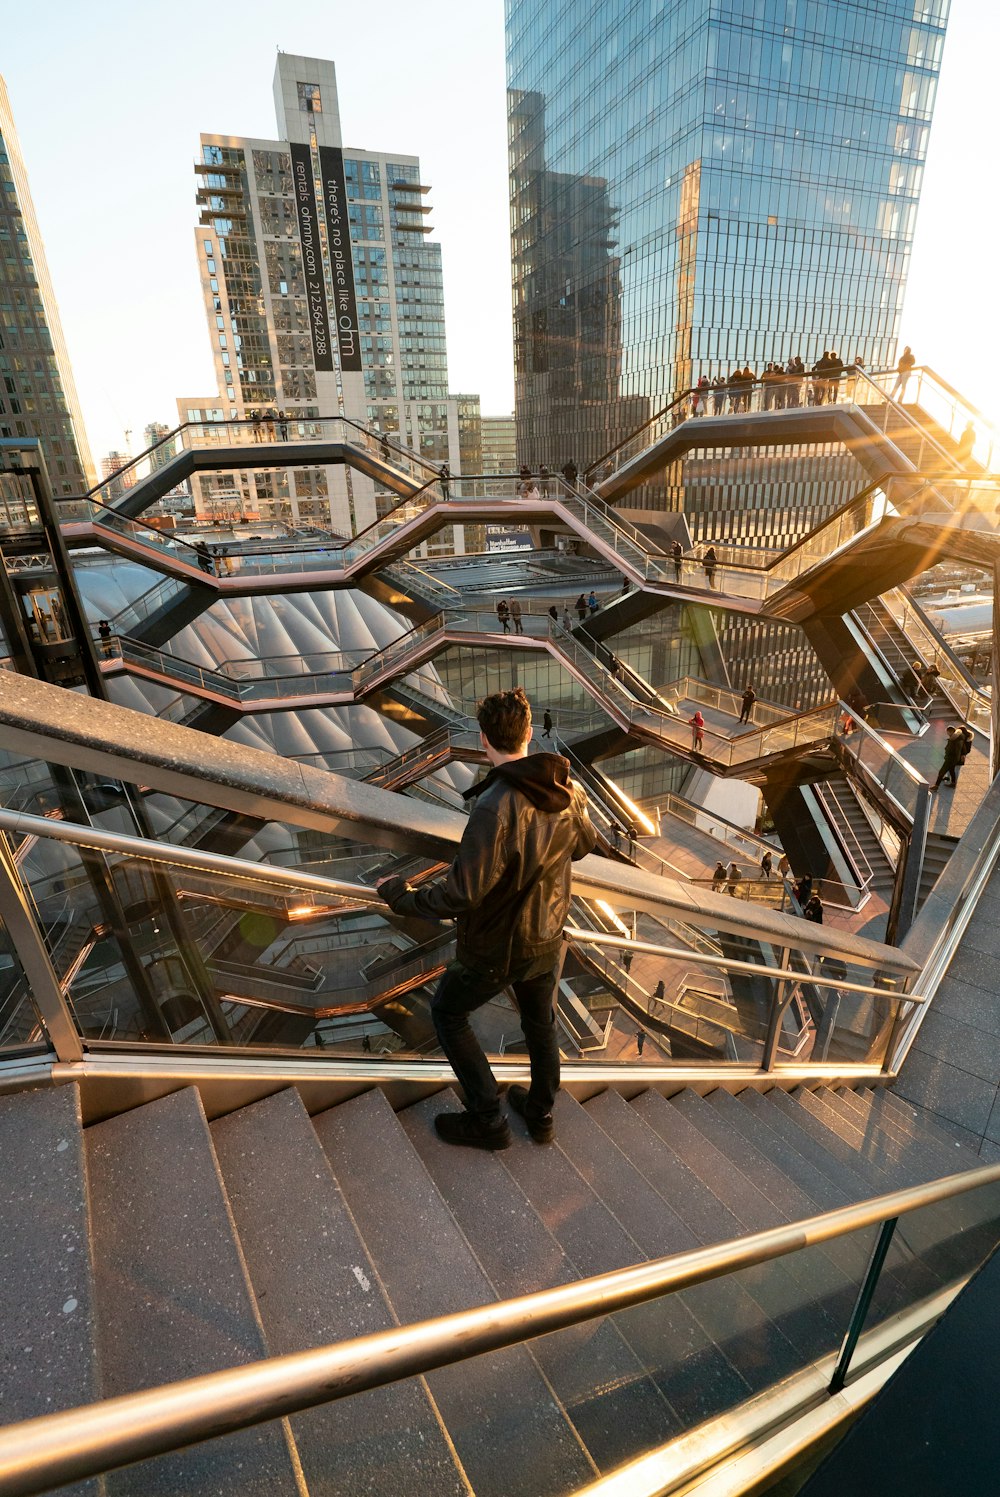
315,1284
603,1386
922,1149
955,1150
931,1154
491,1404
47,1309
173,1300
825,1153
835,1266
904,1278
786,1288
904,1160
933,1233
904,1154
729,1309
703,1379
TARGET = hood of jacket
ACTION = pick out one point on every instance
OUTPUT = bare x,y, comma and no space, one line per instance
542,778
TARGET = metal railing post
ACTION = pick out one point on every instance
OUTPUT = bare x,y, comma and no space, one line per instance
43,983
782,993
863,1303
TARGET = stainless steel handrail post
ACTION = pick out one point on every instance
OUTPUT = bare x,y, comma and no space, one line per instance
863,1303
779,1002
43,984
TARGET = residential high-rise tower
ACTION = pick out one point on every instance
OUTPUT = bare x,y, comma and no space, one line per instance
323,295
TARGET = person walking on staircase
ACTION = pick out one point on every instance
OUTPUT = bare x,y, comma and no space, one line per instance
719,878
546,724
966,445
515,613
903,370
509,891
677,557
746,702
813,910
697,726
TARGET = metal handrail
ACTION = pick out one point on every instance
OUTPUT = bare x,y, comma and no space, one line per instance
37,1454
169,854
746,969
378,438
771,397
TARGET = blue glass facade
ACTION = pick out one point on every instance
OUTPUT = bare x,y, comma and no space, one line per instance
700,182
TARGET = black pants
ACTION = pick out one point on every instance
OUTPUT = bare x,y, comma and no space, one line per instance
459,993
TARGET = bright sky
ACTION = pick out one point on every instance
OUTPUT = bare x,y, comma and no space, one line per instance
109,120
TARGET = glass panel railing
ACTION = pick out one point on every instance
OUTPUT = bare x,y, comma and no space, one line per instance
880,762
213,950
661,719
250,433
249,680
957,432
941,437
864,513
424,757
942,668
975,435
731,571
778,390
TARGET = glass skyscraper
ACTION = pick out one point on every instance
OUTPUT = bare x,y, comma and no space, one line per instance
699,182
37,394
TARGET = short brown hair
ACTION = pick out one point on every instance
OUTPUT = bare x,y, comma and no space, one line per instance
505,719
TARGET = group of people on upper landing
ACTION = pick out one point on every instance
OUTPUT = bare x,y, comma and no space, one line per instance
781,385
790,384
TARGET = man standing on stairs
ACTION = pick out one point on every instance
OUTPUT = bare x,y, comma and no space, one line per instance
509,892
953,755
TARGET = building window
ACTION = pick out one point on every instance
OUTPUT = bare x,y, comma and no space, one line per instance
309,98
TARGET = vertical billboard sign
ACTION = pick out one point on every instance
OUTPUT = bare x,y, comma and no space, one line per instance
312,259
338,232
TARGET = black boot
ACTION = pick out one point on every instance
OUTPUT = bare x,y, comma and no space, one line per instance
540,1125
465,1128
